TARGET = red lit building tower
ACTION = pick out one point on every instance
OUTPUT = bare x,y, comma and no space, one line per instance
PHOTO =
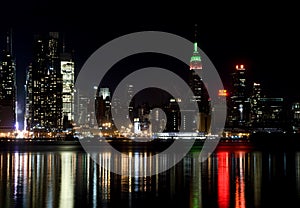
239,100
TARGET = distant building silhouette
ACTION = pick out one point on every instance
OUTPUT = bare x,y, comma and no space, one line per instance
8,89
295,117
272,112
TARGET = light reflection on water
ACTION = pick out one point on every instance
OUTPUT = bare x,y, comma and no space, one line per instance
228,178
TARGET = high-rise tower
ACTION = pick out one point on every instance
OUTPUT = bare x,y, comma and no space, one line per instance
8,88
196,83
200,94
239,100
255,105
46,85
67,71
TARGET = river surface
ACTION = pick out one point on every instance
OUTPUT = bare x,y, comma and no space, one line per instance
231,177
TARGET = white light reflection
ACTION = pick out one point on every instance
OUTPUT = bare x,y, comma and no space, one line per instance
66,198
297,168
16,167
257,174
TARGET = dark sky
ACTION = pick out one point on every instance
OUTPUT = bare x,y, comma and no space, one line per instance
264,38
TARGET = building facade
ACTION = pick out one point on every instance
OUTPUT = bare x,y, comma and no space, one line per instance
68,97
44,85
255,104
295,117
200,94
239,100
8,92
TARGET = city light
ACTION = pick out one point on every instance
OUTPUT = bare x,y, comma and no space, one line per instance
223,93
240,67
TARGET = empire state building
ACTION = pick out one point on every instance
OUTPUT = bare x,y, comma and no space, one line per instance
200,94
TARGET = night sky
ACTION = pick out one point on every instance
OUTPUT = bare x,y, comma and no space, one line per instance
262,37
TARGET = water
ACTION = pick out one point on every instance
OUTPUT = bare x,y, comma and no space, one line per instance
231,177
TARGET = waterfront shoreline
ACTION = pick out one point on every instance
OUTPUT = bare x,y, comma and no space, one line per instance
155,145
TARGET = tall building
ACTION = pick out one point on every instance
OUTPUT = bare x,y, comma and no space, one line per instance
295,117
85,112
219,106
272,113
8,89
195,81
45,102
67,71
103,109
173,116
130,101
158,120
28,119
255,105
200,94
239,100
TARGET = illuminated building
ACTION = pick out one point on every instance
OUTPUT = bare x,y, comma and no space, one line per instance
295,117
28,119
130,101
272,112
136,126
200,94
255,104
219,106
173,116
197,86
127,104
84,110
103,109
46,85
158,120
222,94
8,89
239,101
104,92
67,71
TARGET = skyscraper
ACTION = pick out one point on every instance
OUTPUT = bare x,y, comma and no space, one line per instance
7,89
239,100
255,105
103,108
45,102
200,94
195,81
272,113
295,117
67,71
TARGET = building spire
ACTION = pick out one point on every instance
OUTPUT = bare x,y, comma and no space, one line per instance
9,41
63,43
196,32
195,62
195,41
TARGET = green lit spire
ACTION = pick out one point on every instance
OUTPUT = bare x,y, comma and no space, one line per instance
196,55
195,62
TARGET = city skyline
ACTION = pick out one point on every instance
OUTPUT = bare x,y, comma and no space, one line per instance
224,55
240,146
133,65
